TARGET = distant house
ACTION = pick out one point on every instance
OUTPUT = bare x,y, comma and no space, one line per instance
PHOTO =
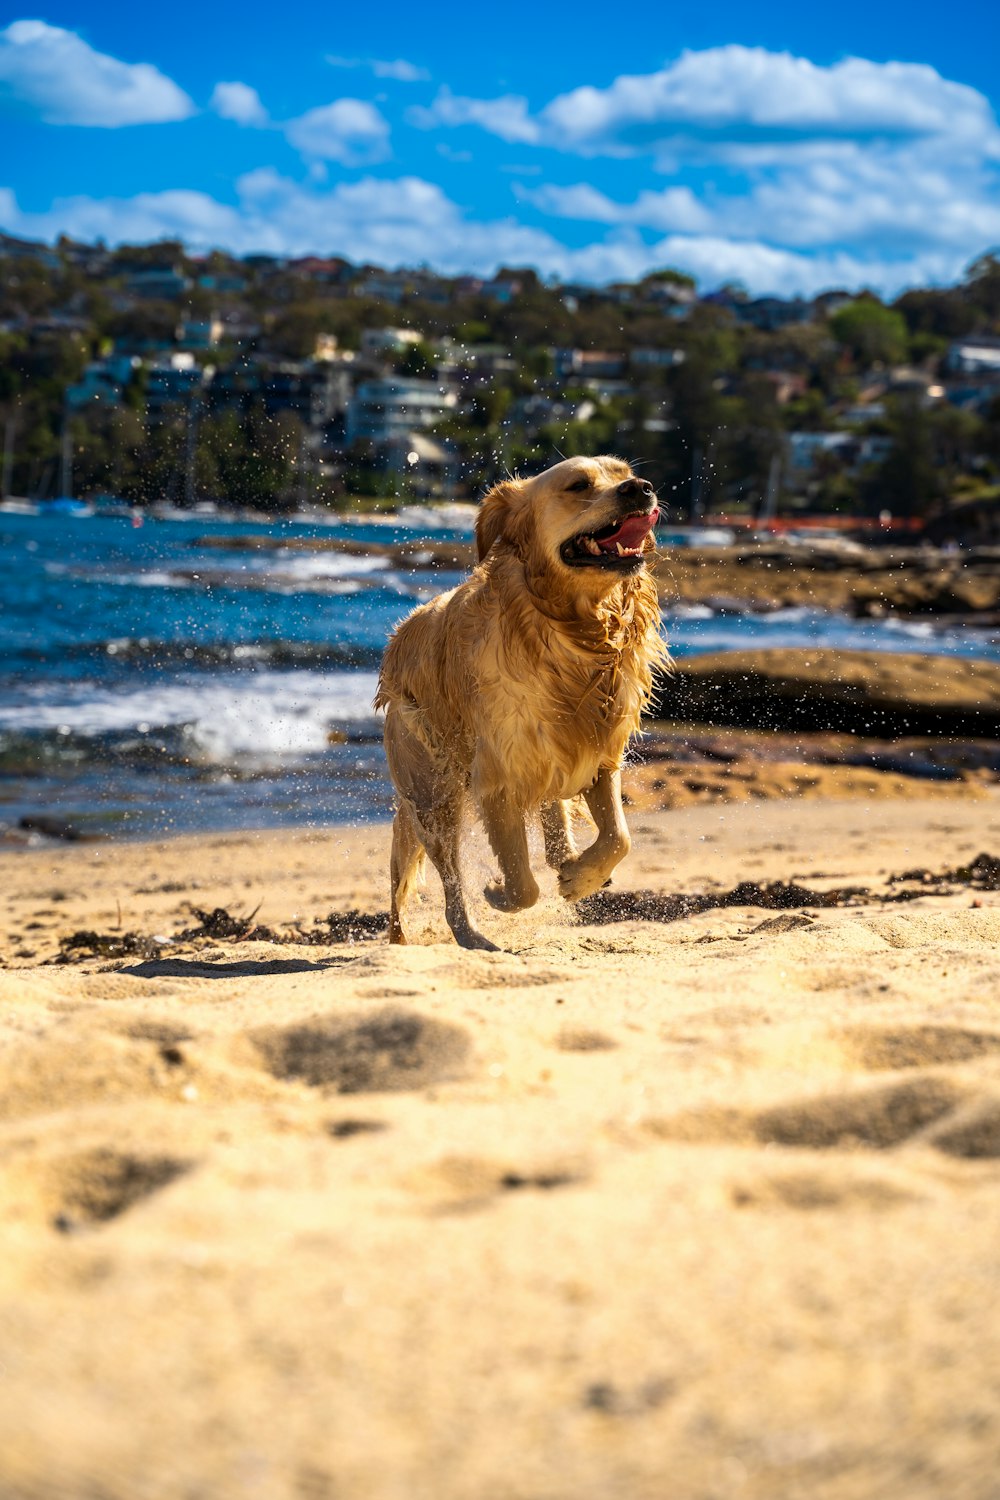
174,380
222,281
327,271
104,380
590,364
92,259
673,298
501,289
383,410
11,248
806,450
486,361
828,303
200,333
238,329
863,412
978,354
655,359
59,325
429,465
315,392
265,265
383,286
388,340
160,283
772,313
974,392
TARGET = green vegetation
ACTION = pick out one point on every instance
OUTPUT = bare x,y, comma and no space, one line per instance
723,399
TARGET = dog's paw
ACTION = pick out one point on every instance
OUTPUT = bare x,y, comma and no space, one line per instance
579,879
470,938
502,899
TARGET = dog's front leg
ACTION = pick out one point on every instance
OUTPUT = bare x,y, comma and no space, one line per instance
509,842
586,873
557,831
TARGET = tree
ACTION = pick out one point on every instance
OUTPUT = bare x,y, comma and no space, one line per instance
417,362
982,285
907,482
871,332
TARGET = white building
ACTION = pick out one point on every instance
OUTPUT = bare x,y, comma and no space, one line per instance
384,410
388,340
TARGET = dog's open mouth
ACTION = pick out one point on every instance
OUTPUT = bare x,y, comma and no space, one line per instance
618,545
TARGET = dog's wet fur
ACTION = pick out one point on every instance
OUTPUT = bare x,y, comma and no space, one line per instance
520,689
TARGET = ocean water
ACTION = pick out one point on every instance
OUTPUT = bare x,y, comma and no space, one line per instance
151,684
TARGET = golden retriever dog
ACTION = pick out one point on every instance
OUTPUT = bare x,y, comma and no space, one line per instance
520,689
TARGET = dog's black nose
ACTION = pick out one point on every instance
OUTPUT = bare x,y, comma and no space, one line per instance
635,489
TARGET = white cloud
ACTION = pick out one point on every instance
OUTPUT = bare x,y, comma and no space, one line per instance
875,199
738,97
876,162
239,102
55,74
506,117
350,131
408,221
674,208
399,70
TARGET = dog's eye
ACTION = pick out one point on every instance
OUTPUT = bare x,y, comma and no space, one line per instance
579,485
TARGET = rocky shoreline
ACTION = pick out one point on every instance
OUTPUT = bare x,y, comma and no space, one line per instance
862,582
879,694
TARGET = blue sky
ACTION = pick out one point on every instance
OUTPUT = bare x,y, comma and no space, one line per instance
786,148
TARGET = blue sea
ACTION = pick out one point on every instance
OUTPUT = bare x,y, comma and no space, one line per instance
152,684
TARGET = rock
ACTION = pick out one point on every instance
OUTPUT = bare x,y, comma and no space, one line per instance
875,693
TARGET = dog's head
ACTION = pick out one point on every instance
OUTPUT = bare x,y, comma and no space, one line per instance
585,516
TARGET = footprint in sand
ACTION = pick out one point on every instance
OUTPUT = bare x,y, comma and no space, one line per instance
972,1133
87,1187
877,1049
83,1066
875,1119
385,1051
815,1190
582,1039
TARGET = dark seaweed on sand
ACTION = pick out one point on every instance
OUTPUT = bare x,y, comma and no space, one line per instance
981,874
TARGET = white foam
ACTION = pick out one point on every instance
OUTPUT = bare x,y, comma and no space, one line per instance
323,564
260,715
155,578
690,612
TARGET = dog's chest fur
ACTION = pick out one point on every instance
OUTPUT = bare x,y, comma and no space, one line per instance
552,712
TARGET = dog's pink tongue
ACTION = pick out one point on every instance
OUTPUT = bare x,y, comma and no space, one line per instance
630,533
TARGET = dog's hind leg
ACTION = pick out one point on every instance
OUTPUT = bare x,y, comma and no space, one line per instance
435,797
586,873
557,833
509,842
405,867
439,826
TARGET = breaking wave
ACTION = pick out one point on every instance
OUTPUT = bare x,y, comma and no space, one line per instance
233,720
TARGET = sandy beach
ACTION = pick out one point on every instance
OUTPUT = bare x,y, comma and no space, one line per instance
700,1205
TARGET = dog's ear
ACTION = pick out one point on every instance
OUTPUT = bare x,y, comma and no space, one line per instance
498,515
